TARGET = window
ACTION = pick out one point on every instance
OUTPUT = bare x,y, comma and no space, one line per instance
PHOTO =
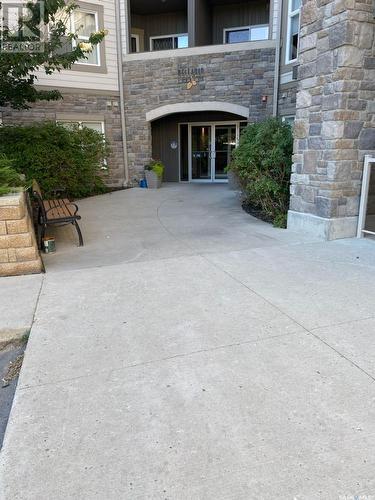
246,34
83,23
98,126
169,42
294,7
288,119
236,36
134,43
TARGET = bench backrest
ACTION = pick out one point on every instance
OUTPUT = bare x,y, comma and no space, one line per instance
37,193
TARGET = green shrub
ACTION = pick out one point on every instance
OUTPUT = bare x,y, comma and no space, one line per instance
10,180
262,162
57,157
157,167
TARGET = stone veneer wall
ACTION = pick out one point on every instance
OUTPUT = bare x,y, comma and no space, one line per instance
335,123
18,248
287,99
87,105
241,77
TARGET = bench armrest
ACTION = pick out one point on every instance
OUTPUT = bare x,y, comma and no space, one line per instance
74,205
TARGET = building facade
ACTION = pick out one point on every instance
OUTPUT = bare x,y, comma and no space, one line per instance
178,80
90,90
195,72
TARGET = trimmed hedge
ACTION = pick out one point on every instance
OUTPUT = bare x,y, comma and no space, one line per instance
10,180
57,157
262,162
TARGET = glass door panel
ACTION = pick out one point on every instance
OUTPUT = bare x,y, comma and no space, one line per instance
201,152
225,142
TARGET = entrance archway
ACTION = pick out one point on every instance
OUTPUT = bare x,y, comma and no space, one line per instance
191,107
196,146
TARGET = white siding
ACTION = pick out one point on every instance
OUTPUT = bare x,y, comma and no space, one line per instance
91,80
275,18
124,16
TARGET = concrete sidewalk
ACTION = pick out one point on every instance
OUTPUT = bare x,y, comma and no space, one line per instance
189,351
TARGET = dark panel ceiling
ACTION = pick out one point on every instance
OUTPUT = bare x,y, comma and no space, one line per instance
164,6
157,6
233,2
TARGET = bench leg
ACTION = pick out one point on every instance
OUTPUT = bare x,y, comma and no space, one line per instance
42,235
79,233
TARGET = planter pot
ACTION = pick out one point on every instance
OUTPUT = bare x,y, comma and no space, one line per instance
153,181
233,181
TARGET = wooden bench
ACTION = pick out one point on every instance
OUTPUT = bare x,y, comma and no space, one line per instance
55,212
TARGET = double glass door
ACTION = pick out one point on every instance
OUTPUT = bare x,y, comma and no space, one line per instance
211,147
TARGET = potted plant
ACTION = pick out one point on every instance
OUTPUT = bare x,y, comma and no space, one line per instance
154,174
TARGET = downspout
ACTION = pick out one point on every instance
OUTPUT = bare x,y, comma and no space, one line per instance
121,85
277,61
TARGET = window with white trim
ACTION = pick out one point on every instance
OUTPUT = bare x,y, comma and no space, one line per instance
179,41
93,125
289,119
246,33
294,8
83,23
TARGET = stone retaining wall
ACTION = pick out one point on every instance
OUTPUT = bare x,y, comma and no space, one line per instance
18,248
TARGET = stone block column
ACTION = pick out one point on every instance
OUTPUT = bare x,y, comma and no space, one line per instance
18,248
335,124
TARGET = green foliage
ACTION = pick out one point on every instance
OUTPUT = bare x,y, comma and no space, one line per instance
263,163
157,167
51,25
10,180
57,157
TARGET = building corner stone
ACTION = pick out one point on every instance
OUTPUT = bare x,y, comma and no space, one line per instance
334,116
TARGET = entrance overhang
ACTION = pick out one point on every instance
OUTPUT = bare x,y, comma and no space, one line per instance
189,107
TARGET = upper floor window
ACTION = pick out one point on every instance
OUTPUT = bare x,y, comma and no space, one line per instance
294,7
246,34
83,24
169,42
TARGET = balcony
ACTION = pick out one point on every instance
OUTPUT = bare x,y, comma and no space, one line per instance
179,24
158,25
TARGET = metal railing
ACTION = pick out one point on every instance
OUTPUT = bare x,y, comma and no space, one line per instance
367,169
